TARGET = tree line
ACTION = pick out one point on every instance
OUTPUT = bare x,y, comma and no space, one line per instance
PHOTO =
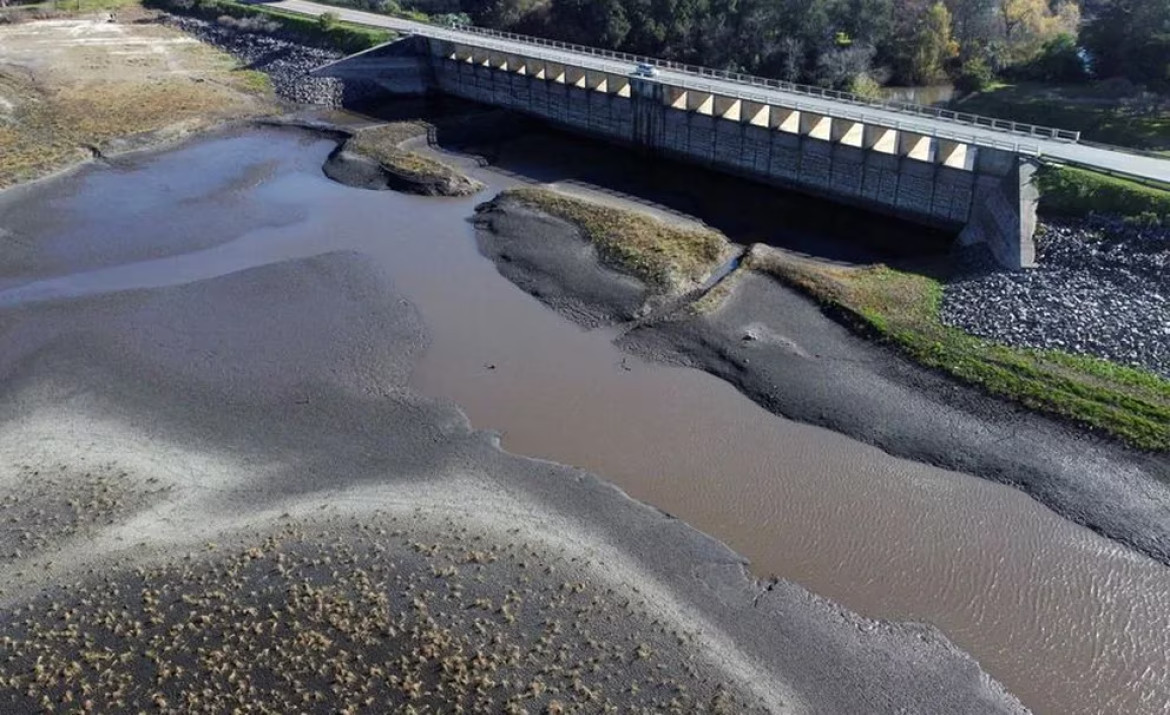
858,44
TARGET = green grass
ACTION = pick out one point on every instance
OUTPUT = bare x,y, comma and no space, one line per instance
253,81
669,258
1068,191
344,36
95,5
1092,109
903,308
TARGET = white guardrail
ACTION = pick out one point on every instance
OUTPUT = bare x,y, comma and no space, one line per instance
457,35
947,115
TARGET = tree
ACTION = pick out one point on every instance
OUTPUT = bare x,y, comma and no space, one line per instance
922,42
1131,38
1059,60
1028,24
498,13
840,67
975,24
601,23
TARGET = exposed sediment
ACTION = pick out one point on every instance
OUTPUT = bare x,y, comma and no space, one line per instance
781,350
375,159
592,263
271,407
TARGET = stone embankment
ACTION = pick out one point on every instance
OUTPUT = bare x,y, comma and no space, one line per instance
1100,289
287,63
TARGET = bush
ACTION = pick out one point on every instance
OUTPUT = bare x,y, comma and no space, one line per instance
863,85
256,23
974,76
328,21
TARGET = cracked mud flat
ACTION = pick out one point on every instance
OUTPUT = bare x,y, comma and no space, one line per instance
262,421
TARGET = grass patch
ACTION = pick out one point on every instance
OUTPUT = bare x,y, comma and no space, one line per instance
383,144
343,36
903,308
95,5
82,96
668,258
253,81
1068,191
1095,110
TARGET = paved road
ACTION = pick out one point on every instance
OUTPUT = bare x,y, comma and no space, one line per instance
1141,166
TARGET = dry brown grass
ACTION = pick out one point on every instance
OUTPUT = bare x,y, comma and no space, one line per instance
63,95
669,258
383,144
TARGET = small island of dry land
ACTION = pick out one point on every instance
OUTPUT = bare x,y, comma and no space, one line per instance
374,158
595,263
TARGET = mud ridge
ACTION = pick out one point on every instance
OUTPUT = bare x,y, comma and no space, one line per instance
784,352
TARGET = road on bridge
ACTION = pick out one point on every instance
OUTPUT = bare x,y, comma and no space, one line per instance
1114,160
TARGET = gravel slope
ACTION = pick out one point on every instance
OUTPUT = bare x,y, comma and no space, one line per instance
286,63
1101,288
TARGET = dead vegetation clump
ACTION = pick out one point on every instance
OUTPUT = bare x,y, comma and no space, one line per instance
50,505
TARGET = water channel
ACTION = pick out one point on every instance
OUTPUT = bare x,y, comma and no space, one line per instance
1068,621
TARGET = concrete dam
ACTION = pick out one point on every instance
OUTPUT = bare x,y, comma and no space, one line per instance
977,184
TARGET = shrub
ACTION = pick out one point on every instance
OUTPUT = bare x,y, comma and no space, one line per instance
327,21
256,23
864,85
974,76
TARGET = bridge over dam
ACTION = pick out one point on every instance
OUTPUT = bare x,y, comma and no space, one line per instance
972,175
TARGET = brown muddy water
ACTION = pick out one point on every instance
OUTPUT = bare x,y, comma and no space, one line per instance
1068,621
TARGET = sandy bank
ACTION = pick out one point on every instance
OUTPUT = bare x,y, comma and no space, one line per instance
780,349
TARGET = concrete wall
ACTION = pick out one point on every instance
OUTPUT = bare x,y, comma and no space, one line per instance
403,67
1003,213
986,193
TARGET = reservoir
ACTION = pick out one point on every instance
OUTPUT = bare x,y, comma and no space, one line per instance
1068,621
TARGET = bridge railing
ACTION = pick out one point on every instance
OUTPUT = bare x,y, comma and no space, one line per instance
965,118
861,117
853,112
